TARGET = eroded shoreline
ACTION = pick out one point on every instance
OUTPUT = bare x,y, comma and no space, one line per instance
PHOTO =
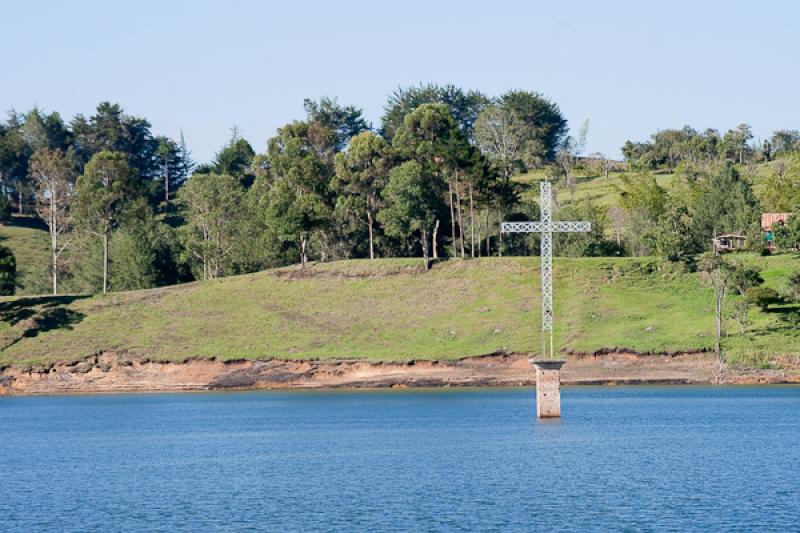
113,372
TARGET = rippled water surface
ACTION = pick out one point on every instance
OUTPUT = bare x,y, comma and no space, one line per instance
635,458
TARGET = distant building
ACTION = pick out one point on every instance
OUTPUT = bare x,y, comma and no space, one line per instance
729,242
768,219
768,222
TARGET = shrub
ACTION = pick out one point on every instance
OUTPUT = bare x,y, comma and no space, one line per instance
793,287
5,208
8,272
763,297
743,277
793,319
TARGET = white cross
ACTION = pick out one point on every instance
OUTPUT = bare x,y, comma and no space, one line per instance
546,227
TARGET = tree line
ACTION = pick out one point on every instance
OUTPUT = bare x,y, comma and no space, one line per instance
669,148
718,184
127,209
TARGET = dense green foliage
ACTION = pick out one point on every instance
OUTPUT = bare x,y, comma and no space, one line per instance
465,106
762,297
720,184
444,168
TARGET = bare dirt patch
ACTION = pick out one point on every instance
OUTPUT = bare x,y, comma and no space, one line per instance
120,372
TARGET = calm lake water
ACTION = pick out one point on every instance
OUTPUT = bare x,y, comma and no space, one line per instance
634,458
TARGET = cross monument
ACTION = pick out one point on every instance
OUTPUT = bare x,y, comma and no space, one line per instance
548,370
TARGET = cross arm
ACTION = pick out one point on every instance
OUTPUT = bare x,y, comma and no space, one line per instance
560,226
522,227
563,226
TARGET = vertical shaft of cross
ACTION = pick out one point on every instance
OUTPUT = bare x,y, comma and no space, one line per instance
546,268
548,370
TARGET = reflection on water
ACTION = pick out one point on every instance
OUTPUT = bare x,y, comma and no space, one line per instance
636,458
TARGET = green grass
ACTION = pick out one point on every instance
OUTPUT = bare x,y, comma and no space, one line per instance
605,192
389,310
596,188
30,243
601,191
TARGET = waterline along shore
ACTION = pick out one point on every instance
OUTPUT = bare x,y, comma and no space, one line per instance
120,373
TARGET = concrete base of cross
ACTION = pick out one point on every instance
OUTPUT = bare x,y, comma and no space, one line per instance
548,387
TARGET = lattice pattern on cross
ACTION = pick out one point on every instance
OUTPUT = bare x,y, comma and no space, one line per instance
546,226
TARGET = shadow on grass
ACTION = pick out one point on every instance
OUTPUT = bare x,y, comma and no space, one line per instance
23,221
783,328
782,310
39,314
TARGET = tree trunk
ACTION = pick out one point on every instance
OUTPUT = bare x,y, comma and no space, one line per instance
425,257
452,216
435,240
218,253
369,225
53,227
479,240
206,258
568,182
54,265
303,251
717,346
500,233
55,275
105,257
488,235
460,218
19,196
166,182
472,224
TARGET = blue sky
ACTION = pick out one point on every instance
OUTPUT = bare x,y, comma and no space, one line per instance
628,67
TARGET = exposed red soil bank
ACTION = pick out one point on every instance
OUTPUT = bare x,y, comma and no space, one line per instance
112,372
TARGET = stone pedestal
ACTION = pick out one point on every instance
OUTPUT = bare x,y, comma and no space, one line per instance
548,388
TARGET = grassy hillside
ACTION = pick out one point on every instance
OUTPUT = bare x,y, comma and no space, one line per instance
600,191
28,240
390,310
605,192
